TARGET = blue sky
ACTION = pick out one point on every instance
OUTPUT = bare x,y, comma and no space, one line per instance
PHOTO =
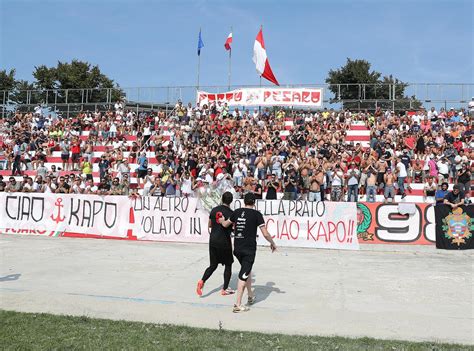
153,43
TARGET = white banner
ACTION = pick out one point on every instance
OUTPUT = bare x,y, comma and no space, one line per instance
329,225
170,219
309,97
32,213
324,225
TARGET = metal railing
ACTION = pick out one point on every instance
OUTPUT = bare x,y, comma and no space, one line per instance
73,100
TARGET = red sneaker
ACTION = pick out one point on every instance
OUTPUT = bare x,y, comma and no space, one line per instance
199,287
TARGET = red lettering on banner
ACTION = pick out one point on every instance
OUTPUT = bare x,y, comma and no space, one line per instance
25,231
337,232
321,226
290,231
315,96
266,95
305,96
309,231
296,96
331,229
277,96
291,96
297,229
351,231
266,226
284,231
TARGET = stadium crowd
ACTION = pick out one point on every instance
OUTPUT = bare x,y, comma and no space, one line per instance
175,154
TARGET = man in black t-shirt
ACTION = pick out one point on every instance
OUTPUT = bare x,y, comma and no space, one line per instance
272,187
454,198
220,245
246,221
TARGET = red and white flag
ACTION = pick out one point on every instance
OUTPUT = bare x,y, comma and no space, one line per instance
228,42
260,59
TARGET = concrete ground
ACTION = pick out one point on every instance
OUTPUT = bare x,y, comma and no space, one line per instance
388,292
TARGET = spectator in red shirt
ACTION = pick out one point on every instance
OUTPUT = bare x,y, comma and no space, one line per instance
76,154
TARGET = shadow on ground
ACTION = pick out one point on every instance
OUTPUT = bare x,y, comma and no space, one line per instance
262,292
10,277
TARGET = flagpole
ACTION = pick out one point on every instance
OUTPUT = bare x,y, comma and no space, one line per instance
199,68
260,107
230,58
199,59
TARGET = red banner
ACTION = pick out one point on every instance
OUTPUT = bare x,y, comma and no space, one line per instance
383,224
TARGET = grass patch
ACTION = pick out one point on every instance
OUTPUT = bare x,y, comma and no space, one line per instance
39,331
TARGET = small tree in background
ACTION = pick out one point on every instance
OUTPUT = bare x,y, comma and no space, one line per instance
352,93
16,88
74,76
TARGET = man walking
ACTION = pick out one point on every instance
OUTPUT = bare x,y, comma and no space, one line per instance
247,220
220,245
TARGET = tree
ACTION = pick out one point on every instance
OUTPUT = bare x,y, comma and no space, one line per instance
75,77
7,79
23,89
15,90
359,88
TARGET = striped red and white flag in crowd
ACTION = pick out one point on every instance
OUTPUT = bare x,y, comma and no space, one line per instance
260,59
228,42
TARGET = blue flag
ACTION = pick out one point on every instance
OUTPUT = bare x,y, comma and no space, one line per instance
200,43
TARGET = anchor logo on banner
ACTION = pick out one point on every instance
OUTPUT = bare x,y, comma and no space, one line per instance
58,218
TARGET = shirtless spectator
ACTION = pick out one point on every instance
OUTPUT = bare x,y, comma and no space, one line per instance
245,144
389,181
381,167
371,186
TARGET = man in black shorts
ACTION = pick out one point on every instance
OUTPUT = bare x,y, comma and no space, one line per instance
246,220
220,245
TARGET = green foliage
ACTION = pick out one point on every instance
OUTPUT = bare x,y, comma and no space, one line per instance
54,84
16,88
35,331
74,76
354,74
7,79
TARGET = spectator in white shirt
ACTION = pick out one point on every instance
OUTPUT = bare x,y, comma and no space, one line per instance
402,174
443,170
471,107
432,114
429,191
149,181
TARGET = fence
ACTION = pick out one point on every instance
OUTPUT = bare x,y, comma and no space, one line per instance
354,96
